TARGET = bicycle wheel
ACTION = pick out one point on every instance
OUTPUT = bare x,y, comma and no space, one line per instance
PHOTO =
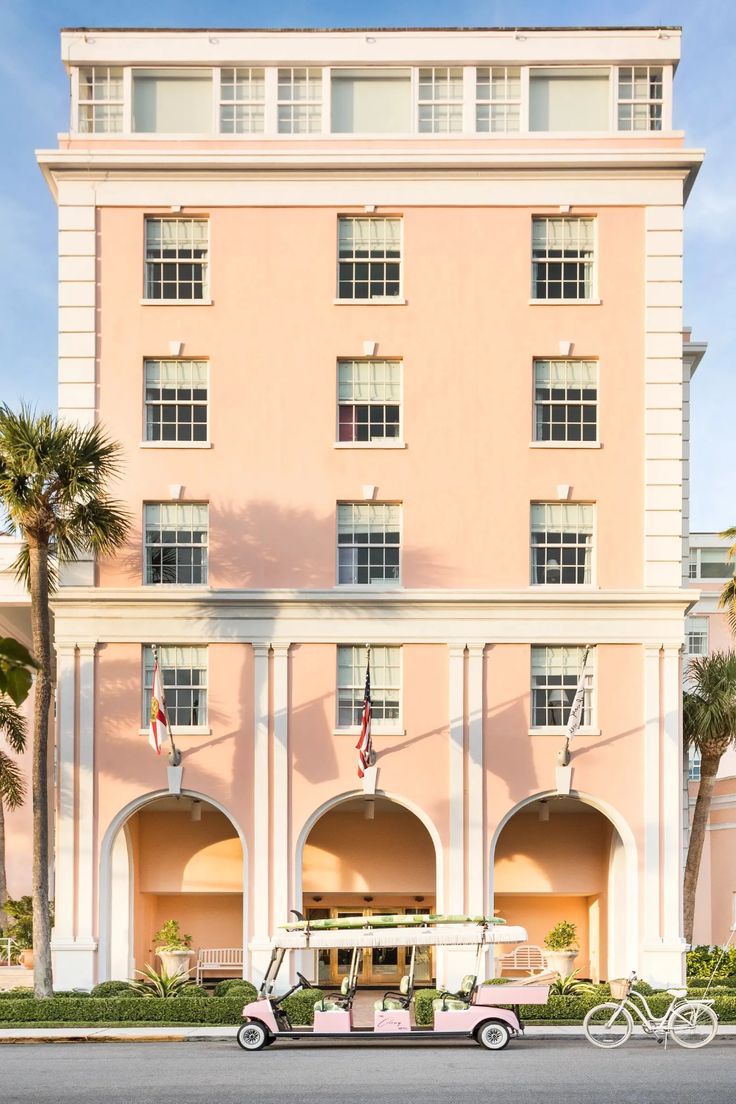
693,1025
608,1025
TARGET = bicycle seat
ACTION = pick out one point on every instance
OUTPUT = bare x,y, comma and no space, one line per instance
677,992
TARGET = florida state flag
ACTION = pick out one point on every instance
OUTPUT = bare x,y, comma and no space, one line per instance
159,727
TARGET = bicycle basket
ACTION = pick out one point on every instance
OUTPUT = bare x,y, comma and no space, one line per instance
620,988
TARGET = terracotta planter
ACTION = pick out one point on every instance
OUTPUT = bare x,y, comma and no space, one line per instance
174,962
26,959
561,961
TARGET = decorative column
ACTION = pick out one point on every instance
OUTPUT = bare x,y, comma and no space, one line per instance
86,942
260,940
476,896
280,867
453,963
651,894
62,936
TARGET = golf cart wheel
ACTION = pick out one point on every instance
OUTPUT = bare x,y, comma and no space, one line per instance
494,1035
252,1036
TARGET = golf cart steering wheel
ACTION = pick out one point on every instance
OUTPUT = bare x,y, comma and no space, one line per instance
303,981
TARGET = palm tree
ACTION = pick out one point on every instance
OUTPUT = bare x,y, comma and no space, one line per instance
727,599
709,726
53,480
12,784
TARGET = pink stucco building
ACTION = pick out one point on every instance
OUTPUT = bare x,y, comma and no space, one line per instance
389,324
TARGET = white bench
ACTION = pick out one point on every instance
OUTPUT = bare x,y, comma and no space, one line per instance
218,958
528,958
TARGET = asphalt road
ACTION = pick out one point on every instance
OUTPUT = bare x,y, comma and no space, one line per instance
551,1072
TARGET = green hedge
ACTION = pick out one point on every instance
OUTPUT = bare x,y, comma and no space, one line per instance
573,1008
172,1010
702,960
236,989
299,1007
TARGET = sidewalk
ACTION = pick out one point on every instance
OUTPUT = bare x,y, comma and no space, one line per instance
175,1034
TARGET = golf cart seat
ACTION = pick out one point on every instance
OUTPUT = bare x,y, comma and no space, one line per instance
394,1001
457,1002
337,1002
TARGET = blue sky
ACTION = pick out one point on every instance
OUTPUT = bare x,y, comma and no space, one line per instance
34,103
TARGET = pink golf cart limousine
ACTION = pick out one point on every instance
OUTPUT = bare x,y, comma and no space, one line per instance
473,1012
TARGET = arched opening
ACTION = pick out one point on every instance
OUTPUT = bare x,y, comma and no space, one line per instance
361,858
560,858
170,857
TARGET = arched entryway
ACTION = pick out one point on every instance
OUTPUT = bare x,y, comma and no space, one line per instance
357,857
569,858
170,857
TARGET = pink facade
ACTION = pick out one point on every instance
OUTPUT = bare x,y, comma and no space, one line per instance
477,632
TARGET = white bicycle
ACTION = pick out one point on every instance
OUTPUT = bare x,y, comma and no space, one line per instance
691,1023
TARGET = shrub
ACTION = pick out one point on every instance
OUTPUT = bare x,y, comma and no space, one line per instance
169,937
171,1010
161,985
299,1007
702,961
240,985
71,993
563,937
423,1005
16,994
113,989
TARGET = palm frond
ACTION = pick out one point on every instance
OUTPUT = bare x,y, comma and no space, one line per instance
709,705
13,726
12,782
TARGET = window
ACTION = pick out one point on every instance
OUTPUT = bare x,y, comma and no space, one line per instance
176,258
176,400
176,542
371,101
640,97
498,99
368,542
440,100
184,675
385,686
568,99
300,101
100,100
565,400
696,636
711,563
369,258
172,101
562,258
368,400
693,766
562,542
242,101
555,676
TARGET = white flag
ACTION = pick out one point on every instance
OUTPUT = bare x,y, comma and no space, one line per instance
159,728
577,708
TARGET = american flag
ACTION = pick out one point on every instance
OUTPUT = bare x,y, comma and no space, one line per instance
364,745
159,730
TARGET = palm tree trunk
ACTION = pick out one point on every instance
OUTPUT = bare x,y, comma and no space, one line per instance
3,871
41,626
708,770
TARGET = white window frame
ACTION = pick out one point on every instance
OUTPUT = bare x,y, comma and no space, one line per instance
490,103
394,727
635,101
693,765
205,544
178,730
438,101
176,443
701,631
377,442
538,442
379,584
549,507
206,264
235,103
78,103
593,298
379,300
308,102
591,670
695,565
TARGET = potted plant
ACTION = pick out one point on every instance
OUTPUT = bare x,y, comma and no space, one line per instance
173,948
20,930
562,947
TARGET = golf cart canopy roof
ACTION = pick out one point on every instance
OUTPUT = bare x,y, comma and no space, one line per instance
449,935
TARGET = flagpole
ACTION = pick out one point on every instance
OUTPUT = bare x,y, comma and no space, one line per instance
174,754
